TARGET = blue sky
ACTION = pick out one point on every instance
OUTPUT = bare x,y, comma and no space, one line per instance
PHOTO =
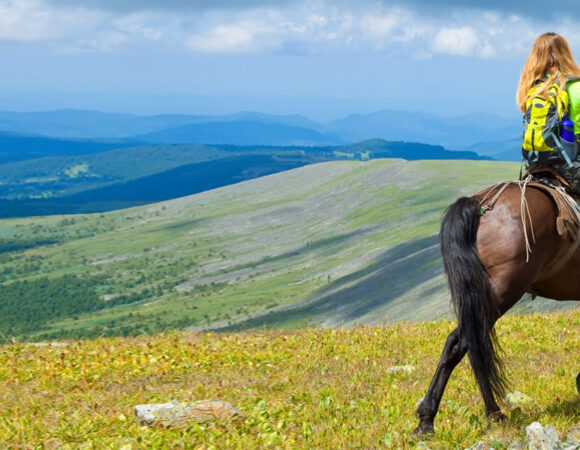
320,58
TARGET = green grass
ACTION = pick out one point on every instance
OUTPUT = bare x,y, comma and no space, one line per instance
312,388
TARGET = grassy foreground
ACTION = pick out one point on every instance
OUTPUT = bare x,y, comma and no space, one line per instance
312,388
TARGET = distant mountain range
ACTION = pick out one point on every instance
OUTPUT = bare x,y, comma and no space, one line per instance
488,135
240,132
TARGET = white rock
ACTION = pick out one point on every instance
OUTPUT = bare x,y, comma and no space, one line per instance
149,413
540,438
517,398
179,414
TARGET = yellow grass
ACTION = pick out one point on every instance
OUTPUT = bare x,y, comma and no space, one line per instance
312,388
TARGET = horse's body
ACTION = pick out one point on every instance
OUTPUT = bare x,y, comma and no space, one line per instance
485,262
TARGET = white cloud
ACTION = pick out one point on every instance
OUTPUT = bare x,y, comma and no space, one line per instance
242,37
33,21
455,41
251,31
143,26
379,26
297,26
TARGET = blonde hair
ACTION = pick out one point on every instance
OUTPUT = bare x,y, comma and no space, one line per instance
550,57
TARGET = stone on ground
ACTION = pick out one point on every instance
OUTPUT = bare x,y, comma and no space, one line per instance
178,415
517,399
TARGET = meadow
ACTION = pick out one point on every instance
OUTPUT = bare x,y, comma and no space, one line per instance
309,388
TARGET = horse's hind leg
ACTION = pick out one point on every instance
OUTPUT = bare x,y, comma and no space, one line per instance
453,353
578,383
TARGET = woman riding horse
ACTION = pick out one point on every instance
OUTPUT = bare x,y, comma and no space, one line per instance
493,253
551,73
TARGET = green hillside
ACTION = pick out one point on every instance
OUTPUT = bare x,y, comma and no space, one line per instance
339,242
305,389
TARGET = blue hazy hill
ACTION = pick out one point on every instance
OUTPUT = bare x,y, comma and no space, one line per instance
240,132
14,147
451,132
81,124
250,128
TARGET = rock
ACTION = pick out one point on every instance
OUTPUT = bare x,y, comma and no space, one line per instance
540,438
47,344
177,415
406,369
517,399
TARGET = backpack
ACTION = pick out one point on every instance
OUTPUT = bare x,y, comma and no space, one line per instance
541,133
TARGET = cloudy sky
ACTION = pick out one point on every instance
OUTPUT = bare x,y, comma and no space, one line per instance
321,58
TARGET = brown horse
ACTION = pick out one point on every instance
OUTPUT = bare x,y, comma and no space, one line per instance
489,269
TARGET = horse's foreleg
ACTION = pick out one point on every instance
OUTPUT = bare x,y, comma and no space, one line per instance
453,353
578,383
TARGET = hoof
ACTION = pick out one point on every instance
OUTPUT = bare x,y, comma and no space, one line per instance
497,416
578,383
424,429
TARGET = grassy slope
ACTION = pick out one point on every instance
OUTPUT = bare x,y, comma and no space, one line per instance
313,388
328,243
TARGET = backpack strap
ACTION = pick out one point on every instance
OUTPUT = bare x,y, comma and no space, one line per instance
563,154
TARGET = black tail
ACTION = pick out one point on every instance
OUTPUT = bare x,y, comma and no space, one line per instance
472,294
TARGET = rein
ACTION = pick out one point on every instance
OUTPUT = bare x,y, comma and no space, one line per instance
485,208
525,211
